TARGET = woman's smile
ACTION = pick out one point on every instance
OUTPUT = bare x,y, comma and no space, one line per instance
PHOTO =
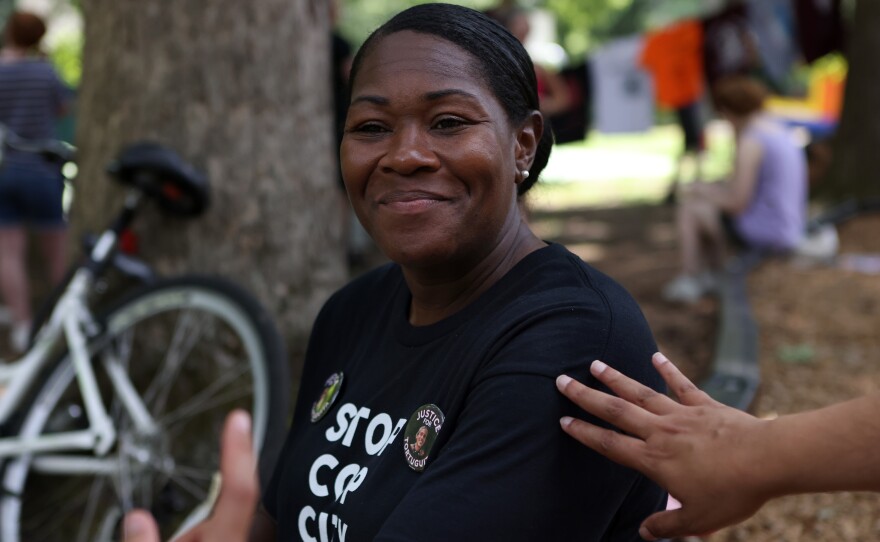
410,201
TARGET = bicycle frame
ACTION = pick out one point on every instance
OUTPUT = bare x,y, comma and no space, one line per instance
72,320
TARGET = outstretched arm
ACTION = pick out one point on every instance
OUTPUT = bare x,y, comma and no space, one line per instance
723,464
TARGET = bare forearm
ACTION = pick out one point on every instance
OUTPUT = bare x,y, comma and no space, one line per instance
831,449
723,464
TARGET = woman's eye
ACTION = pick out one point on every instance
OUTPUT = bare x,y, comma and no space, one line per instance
369,128
448,123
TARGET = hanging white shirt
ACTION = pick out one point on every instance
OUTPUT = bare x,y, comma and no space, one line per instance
623,92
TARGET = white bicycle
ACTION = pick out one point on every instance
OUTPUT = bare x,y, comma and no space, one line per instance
122,407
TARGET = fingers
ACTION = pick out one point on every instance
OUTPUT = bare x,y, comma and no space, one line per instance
685,390
669,524
614,410
235,507
675,524
634,392
139,526
615,446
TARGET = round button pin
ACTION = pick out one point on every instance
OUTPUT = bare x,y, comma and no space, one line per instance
327,397
420,433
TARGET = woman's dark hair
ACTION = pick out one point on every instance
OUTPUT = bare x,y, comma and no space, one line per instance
25,29
502,62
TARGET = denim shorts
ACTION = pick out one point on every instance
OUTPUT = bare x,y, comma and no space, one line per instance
31,196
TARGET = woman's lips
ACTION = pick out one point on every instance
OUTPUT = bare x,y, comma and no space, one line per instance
410,201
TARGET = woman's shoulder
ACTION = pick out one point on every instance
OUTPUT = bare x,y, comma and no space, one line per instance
555,285
564,313
558,274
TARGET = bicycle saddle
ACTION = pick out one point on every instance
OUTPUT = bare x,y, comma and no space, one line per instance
161,173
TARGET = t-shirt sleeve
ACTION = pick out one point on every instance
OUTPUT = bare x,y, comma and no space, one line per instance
526,479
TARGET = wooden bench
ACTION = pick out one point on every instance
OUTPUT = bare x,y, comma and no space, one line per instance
736,376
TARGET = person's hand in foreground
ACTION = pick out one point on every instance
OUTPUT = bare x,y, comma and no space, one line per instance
234,510
690,448
719,462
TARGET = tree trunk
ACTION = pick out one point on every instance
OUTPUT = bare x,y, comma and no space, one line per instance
241,89
855,170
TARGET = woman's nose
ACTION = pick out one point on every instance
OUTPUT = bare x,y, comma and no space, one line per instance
409,151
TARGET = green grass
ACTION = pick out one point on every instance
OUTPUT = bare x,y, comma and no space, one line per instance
606,170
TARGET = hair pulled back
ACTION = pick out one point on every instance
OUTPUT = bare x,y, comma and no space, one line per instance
501,59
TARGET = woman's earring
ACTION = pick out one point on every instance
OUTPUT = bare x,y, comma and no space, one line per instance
525,174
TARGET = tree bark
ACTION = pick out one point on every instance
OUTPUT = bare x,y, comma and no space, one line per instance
855,170
241,89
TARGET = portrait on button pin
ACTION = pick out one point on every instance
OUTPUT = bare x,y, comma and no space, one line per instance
420,434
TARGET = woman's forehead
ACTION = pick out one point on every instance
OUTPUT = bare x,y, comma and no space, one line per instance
405,54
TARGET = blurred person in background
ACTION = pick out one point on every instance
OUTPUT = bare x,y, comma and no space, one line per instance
762,206
32,98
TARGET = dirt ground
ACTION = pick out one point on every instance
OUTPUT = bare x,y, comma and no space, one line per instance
819,341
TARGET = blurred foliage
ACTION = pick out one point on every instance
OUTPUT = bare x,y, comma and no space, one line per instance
66,55
582,24
360,17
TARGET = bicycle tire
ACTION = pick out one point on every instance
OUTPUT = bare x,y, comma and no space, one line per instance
237,346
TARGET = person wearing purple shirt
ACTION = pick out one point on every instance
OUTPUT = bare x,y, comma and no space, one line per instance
762,206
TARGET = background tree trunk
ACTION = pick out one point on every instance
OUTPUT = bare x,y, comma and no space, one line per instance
855,169
242,90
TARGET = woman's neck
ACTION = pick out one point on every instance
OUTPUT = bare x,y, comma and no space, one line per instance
440,293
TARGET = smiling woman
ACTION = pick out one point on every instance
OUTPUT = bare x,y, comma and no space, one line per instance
464,334
431,160
443,410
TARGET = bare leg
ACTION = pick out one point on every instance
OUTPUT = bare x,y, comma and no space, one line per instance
53,243
712,234
698,221
688,236
672,191
13,273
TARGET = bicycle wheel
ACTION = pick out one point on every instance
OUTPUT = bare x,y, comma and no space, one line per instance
194,349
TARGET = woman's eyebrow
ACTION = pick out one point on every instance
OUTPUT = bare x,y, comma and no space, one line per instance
429,96
376,100
438,94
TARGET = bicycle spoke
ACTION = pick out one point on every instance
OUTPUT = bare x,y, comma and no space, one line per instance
63,511
91,509
198,403
181,343
193,489
195,472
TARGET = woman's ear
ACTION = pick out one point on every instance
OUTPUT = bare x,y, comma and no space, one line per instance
527,138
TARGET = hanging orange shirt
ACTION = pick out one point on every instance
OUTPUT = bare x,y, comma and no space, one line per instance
674,57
